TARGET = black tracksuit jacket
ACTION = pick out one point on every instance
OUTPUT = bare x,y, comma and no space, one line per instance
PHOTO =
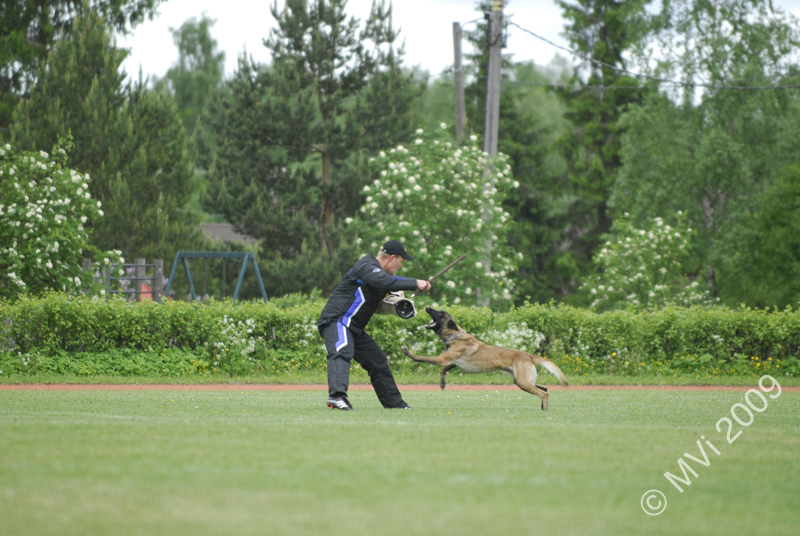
359,294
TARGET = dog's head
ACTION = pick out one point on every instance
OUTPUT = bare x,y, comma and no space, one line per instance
443,324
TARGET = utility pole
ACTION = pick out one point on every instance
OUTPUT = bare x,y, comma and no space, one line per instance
491,116
459,83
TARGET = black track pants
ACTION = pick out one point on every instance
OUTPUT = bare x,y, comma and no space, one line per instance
342,347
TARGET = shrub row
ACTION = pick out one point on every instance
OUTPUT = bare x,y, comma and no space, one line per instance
60,333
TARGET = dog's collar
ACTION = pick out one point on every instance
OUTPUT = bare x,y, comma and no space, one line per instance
451,337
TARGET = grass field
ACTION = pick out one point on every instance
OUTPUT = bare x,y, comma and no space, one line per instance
461,462
425,375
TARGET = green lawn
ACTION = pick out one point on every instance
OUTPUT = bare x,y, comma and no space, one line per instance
462,462
425,375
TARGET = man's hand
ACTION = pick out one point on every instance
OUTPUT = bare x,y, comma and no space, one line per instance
423,285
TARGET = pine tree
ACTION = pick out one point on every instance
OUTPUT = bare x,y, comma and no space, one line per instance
130,140
602,31
286,152
30,28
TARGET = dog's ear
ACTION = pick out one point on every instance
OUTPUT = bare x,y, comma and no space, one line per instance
451,324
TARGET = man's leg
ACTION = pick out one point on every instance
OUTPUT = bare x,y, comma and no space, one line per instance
370,356
340,345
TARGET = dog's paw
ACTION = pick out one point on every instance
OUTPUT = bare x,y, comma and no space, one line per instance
405,351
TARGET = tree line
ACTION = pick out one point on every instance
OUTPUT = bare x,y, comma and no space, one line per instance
667,109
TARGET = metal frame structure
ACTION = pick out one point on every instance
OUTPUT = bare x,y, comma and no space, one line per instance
106,276
246,256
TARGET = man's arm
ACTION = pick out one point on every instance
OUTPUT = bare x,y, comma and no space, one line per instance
377,278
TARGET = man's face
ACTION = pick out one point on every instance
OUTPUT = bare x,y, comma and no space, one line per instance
394,264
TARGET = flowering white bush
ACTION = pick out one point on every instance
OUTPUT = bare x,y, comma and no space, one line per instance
309,334
421,342
44,211
517,336
235,347
645,267
442,200
237,336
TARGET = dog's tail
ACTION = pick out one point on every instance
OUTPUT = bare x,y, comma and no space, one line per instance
552,368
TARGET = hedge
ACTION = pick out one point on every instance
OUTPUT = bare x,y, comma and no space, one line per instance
65,334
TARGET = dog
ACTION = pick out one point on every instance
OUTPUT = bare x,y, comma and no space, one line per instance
464,351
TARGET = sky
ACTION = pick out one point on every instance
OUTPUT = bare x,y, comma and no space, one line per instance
426,26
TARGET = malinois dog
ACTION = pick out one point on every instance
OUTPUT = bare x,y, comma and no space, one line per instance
464,351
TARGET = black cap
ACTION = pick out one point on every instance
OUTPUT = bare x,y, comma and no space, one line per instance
393,247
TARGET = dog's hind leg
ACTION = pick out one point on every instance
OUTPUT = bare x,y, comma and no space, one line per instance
443,372
525,377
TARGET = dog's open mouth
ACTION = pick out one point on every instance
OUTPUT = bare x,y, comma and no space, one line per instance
432,312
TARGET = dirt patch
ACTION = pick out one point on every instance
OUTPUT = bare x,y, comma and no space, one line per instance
361,387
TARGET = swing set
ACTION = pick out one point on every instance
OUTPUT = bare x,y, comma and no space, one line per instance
186,256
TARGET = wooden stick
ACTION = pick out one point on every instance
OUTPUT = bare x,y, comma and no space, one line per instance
434,278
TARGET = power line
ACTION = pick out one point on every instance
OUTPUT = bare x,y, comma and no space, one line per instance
647,76
573,86
448,70
462,24
547,84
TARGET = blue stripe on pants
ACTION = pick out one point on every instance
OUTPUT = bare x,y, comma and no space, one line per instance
341,342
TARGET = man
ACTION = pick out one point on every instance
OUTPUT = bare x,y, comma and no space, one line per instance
347,313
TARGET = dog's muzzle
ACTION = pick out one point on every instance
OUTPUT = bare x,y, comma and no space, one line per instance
434,321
